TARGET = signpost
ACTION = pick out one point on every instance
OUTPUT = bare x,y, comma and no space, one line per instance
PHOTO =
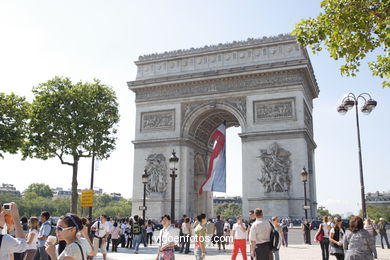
87,198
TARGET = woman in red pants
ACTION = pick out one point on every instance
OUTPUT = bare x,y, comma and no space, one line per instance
239,236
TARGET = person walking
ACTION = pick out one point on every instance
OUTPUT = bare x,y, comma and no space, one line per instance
149,232
115,233
239,238
324,228
226,231
260,237
210,227
336,235
382,232
285,232
252,219
369,226
67,230
275,223
137,233
306,232
200,235
101,230
110,225
186,236
32,239
357,242
166,249
219,237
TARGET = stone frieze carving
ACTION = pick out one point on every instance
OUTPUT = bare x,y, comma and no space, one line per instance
234,44
156,169
221,86
158,120
274,109
276,163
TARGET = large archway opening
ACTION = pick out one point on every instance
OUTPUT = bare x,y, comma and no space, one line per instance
202,125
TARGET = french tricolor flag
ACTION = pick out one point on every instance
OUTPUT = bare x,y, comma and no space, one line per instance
216,174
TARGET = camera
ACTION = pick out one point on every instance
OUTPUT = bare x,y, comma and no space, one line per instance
7,206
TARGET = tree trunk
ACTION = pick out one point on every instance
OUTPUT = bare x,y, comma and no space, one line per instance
75,194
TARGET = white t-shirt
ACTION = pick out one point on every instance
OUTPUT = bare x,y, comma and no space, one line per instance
226,227
11,245
325,229
238,233
168,235
103,228
74,250
33,244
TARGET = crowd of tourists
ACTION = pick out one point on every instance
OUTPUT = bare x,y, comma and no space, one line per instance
355,243
76,238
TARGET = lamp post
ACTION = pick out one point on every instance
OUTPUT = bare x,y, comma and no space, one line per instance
348,103
92,177
145,180
304,175
173,166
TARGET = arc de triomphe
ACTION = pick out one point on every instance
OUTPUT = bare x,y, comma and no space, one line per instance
264,85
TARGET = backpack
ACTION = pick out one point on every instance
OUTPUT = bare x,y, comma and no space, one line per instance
1,239
52,230
285,229
136,228
274,238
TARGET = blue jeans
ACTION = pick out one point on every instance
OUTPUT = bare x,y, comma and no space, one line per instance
137,241
276,255
198,253
384,235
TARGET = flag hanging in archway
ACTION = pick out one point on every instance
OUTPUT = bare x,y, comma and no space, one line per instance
216,173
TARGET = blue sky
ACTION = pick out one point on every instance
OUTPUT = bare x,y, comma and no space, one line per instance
101,39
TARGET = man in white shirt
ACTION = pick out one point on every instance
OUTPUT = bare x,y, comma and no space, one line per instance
10,245
101,233
260,237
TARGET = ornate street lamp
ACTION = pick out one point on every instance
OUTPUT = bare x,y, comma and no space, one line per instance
173,160
347,104
304,177
145,180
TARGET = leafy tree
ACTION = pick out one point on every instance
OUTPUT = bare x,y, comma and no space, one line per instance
13,120
350,29
103,200
40,189
322,212
376,212
228,210
71,121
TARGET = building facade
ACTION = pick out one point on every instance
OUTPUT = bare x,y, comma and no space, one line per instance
266,86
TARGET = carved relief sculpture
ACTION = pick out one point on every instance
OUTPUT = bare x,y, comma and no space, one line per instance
156,169
158,120
275,175
274,110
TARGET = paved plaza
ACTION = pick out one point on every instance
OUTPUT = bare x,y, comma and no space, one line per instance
295,251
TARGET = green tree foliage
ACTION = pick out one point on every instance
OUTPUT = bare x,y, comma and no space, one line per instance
228,210
40,189
322,212
376,212
350,29
71,121
13,120
118,209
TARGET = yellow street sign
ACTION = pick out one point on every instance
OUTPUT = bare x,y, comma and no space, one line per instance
87,198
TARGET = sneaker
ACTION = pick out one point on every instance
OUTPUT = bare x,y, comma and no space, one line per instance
136,252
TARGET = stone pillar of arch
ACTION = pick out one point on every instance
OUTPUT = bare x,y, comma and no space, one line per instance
265,86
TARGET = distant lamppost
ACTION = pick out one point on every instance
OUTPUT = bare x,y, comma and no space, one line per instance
145,180
304,176
173,166
348,103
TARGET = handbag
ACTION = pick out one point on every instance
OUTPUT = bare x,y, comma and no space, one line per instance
320,235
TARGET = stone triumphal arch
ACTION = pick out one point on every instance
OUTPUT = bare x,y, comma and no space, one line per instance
265,86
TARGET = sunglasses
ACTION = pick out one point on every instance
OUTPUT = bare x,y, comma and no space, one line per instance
61,229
